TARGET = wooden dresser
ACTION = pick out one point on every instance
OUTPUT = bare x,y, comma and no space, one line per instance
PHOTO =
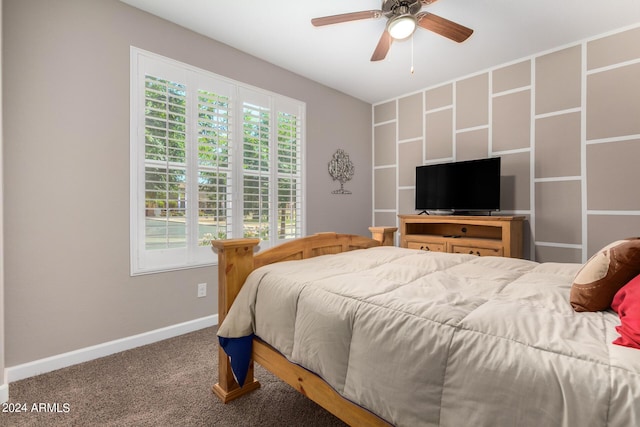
477,235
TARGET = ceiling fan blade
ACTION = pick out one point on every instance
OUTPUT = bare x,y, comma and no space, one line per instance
444,27
383,47
427,2
346,17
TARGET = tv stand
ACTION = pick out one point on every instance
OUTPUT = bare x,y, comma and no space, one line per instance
476,235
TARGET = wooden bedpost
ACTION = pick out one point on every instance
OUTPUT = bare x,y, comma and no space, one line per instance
384,235
235,262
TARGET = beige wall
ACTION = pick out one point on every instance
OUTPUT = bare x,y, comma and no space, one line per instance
566,124
66,175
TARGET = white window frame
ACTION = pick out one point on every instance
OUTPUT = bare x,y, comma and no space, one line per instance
144,261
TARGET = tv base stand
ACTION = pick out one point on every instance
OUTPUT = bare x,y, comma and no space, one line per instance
477,235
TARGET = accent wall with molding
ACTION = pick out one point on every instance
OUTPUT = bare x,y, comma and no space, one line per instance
566,123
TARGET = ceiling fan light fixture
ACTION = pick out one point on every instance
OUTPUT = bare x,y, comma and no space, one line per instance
402,26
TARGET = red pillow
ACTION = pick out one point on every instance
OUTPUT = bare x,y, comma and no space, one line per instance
626,303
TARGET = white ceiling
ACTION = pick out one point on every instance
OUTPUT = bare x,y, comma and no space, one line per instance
280,32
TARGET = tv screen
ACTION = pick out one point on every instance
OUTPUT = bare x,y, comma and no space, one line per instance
471,186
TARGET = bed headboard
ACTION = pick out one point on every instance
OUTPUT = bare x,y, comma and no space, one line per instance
315,245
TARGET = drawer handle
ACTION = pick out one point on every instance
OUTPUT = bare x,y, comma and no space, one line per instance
424,248
472,253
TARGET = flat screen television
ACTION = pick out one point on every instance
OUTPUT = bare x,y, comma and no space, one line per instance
467,187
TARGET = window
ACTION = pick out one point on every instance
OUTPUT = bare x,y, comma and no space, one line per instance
211,158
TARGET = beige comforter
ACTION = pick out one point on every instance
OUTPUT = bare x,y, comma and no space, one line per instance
424,338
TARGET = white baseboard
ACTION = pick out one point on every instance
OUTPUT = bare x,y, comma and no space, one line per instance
4,393
48,364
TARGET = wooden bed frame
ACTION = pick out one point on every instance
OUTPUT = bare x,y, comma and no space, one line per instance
235,261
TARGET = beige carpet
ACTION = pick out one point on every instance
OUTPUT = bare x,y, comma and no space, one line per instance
163,384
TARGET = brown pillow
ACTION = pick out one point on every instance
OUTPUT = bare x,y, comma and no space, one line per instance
604,274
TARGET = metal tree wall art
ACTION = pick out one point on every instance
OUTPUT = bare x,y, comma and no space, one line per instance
341,169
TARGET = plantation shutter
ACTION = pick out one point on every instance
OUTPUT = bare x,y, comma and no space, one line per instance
271,167
256,165
165,134
289,171
215,165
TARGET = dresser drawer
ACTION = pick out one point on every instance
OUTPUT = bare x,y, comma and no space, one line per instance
479,251
428,246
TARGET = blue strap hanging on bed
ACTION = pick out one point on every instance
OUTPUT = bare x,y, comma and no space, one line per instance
239,352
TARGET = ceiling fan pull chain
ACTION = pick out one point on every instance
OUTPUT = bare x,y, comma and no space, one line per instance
411,54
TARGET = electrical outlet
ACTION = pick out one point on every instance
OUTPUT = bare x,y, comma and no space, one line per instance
202,290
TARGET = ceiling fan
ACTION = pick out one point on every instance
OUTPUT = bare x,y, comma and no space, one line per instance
403,17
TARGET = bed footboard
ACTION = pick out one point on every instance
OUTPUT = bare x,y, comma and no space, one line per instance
236,260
